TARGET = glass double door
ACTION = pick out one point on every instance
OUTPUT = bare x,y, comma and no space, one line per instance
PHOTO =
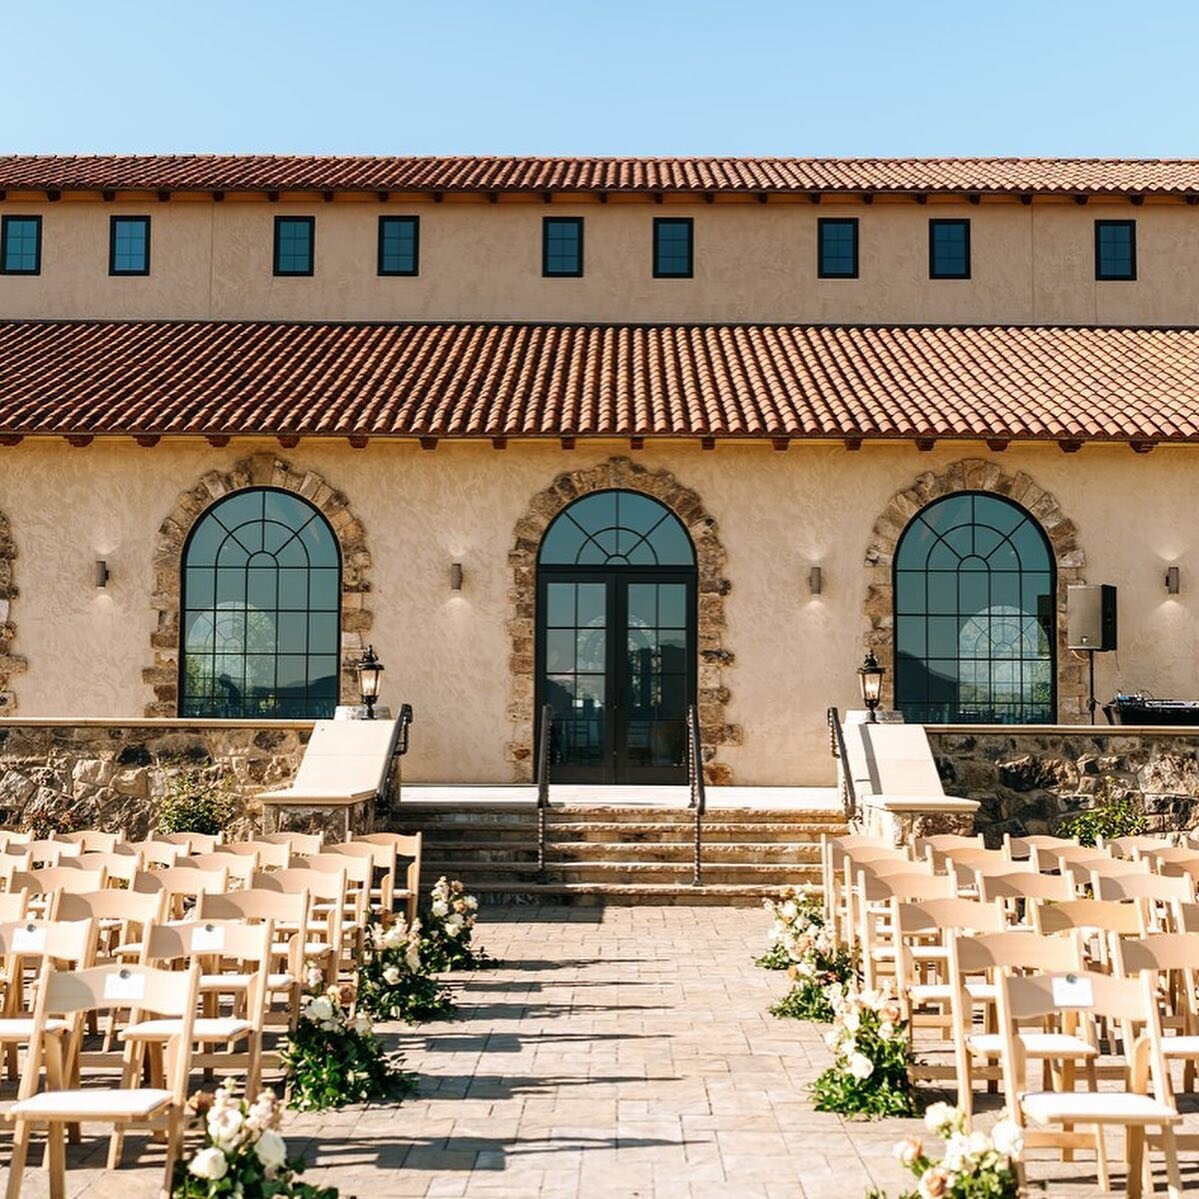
616,662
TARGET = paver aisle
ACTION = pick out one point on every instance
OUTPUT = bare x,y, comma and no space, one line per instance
618,1052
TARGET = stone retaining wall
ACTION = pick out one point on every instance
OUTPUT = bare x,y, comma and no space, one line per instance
110,773
1027,779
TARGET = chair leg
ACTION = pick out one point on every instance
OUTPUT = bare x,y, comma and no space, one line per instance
16,1164
1136,1158
1173,1178
1105,1182
174,1144
56,1160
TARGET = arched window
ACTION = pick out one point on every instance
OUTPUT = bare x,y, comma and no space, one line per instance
974,614
616,528
261,610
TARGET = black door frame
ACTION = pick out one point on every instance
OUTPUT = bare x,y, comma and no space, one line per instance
616,769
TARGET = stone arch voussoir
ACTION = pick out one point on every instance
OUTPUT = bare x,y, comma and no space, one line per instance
261,470
975,474
715,658
10,664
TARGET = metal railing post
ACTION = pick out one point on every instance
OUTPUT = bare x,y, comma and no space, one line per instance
699,795
543,785
836,737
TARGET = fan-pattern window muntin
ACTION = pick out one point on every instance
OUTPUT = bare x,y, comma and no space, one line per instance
975,591
261,610
616,528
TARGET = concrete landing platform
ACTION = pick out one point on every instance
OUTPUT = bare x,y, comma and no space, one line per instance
564,795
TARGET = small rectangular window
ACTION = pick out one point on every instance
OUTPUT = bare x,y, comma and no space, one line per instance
129,245
837,248
21,245
949,249
295,237
562,246
673,248
1115,250
399,245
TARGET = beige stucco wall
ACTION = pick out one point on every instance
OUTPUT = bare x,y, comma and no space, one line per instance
753,262
447,653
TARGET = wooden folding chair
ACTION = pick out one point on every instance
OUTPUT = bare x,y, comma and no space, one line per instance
191,843
157,854
235,959
405,846
119,868
71,995
1136,845
181,884
26,944
875,932
383,863
1090,917
1062,1049
1143,1104
121,918
321,936
1021,848
1055,858
239,868
301,844
270,855
91,840
1019,892
355,912
1155,894
46,886
932,849
283,911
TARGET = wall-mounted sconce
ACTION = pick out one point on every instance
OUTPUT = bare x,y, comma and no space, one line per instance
455,576
815,580
100,573
1173,580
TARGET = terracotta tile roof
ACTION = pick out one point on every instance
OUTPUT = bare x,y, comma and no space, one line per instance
491,174
531,380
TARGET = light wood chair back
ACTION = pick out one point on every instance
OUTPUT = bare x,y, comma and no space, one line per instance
1020,892
180,884
158,854
91,840
832,870
269,855
301,844
1136,845
1172,855
323,888
382,869
47,886
191,843
1019,848
11,836
28,943
117,867
1057,857
407,866
121,916
239,868
43,853
1083,872
13,904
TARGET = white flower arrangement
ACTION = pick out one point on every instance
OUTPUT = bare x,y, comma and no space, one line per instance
394,980
973,1163
243,1152
452,916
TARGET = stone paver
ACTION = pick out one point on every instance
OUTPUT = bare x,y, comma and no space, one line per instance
617,1053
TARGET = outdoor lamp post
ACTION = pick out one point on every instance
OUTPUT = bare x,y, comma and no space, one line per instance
369,669
870,678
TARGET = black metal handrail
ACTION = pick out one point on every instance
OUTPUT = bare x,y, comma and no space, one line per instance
836,739
405,725
699,793
543,784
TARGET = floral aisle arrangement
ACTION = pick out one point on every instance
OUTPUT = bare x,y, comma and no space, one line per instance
975,1165
333,1058
870,1071
802,944
449,926
394,980
243,1153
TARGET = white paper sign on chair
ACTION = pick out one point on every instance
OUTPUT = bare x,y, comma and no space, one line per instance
1070,991
124,984
208,938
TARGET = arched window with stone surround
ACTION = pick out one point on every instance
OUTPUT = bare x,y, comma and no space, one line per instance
975,611
261,600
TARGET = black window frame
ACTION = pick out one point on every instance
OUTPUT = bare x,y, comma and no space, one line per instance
942,222
383,223
661,222
546,222
113,223
1102,276
310,221
37,253
826,222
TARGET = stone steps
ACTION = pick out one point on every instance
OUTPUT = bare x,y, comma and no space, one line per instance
603,854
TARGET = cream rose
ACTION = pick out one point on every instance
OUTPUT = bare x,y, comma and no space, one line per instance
271,1150
210,1164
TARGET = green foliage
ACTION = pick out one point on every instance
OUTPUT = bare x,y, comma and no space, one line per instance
332,1059
775,958
197,801
1114,812
448,927
394,981
870,1071
809,998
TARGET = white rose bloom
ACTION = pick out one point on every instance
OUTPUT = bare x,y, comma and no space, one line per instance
226,1126
789,911
441,908
412,957
453,926
1007,1138
319,1009
314,978
395,937
940,1116
472,902
831,1038
271,1151
391,975
362,1025
852,1021
860,1066
209,1163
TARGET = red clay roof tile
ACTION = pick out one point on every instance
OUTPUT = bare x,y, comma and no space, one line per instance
233,173
535,380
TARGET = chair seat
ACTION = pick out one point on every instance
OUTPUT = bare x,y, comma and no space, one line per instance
225,982
219,1028
1172,1047
920,953
20,1028
1096,1107
932,992
93,1104
1036,1044
279,982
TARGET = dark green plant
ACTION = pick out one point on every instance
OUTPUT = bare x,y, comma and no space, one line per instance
1115,811
394,981
197,801
809,999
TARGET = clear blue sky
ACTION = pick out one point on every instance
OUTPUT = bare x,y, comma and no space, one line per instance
885,77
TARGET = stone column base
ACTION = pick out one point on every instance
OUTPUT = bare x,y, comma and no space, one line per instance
896,819
335,821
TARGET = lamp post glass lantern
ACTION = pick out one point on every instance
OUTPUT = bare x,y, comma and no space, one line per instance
870,678
369,670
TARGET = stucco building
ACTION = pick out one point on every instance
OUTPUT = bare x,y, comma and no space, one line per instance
613,435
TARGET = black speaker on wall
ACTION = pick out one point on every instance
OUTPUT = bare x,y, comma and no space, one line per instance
1091,617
